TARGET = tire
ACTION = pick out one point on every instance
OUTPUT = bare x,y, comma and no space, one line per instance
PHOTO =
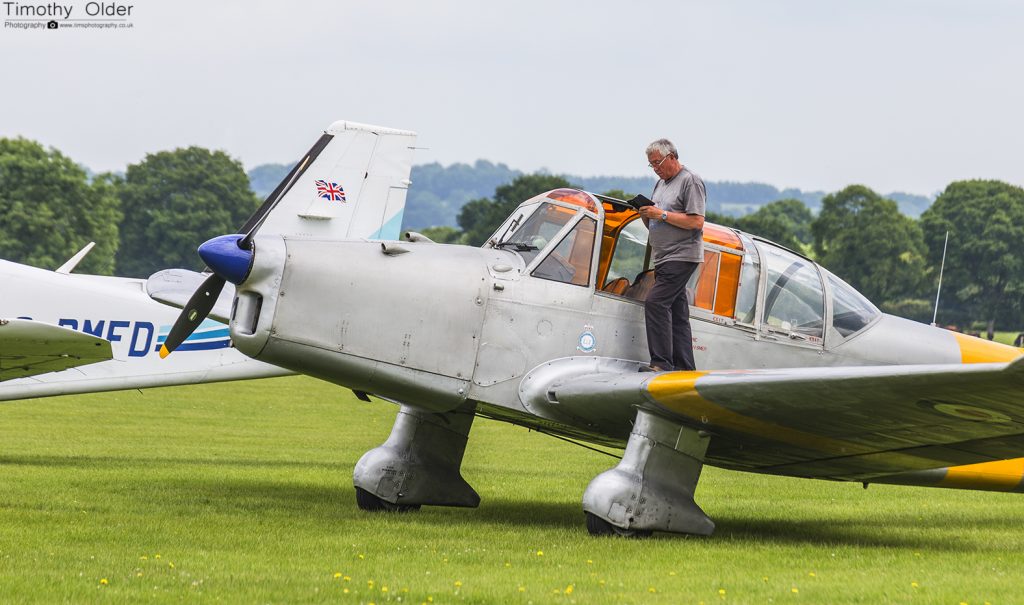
600,527
369,502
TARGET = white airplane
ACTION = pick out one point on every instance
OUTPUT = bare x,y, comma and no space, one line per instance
63,333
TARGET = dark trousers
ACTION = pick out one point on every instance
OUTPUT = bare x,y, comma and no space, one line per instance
668,317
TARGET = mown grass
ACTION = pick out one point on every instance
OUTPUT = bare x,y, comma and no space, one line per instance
242,492
1006,338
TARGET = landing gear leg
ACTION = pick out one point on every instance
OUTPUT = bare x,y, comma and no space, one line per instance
418,464
652,487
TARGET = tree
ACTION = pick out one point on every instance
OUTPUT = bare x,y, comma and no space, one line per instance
863,238
479,218
50,209
438,193
442,234
726,220
265,177
984,270
918,309
174,200
786,222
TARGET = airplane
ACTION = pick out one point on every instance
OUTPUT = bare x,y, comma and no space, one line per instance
65,333
543,327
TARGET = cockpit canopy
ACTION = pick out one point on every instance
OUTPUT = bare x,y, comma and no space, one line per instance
744,281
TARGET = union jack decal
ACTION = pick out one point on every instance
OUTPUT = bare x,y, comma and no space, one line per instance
330,191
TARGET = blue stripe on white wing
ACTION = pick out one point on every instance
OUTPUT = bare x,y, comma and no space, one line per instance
209,335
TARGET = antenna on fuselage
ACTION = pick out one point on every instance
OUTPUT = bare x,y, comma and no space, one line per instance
942,268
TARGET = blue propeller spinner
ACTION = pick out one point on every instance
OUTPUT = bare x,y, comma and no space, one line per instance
226,258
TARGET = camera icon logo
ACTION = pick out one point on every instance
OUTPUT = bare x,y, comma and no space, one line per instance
51,24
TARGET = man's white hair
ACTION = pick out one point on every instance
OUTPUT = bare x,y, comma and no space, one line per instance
664,147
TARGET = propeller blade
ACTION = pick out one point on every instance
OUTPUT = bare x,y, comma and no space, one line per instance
193,314
257,220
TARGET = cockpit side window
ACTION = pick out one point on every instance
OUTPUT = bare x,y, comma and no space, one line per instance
851,312
570,261
713,285
704,281
794,300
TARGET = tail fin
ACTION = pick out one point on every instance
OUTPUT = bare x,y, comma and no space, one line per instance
353,186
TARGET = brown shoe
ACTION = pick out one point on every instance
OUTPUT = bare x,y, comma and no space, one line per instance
650,368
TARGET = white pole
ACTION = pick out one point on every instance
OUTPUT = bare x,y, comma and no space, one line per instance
941,269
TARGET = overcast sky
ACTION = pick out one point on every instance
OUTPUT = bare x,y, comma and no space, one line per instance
895,94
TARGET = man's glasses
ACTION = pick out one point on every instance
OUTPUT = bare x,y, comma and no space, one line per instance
659,162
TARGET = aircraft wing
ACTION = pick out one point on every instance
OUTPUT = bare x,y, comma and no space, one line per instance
850,423
31,347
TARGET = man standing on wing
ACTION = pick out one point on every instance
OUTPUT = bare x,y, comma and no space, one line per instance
676,224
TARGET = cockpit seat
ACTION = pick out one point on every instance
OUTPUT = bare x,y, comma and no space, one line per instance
617,286
641,287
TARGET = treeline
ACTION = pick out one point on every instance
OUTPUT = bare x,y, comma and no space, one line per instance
148,219
153,216
439,192
861,236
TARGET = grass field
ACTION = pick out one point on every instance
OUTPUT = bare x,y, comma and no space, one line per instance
242,492
1006,338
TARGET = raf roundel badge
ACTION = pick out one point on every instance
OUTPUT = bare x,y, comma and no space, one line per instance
587,341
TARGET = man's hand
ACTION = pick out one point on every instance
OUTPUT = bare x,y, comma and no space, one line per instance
651,213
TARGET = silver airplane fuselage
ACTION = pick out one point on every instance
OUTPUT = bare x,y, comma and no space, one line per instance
439,325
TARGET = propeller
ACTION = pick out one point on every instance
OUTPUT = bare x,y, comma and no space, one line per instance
193,314
230,258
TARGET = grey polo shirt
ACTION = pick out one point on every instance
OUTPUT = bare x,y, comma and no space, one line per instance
682,193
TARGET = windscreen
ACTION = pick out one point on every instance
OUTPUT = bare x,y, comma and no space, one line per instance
851,312
528,235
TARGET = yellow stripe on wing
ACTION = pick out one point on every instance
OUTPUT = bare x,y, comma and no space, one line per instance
677,392
977,350
1004,475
